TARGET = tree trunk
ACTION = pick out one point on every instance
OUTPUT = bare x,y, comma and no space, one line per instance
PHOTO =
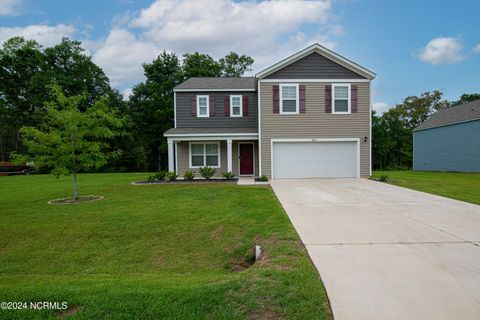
75,192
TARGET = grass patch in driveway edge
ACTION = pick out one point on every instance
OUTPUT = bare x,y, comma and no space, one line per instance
455,185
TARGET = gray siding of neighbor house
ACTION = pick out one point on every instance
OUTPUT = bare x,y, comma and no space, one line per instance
183,155
454,147
186,120
315,123
314,66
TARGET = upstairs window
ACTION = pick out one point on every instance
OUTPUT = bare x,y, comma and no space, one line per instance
202,106
236,107
289,99
341,98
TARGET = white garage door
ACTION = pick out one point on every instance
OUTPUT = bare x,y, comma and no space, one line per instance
335,159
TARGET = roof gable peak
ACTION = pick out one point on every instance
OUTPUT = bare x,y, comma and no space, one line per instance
317,48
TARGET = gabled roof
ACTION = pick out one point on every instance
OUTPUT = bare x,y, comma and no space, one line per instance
217,84
463,112
316,48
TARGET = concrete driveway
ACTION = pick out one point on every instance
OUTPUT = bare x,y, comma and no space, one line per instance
385,252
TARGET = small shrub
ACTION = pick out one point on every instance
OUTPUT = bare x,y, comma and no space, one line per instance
160,175
384,178
189,175
263,178
228,175
207,172
171,175
157,176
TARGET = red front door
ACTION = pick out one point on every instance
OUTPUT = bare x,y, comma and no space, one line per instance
246,159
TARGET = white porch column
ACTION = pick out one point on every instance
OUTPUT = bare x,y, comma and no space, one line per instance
171,162
229,155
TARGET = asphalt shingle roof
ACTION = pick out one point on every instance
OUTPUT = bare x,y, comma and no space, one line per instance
247,83
463,112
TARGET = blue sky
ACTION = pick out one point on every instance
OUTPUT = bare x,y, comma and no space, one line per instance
413,46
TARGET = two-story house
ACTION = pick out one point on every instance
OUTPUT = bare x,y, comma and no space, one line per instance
307,116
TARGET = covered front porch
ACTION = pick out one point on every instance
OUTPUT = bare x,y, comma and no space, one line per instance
225,149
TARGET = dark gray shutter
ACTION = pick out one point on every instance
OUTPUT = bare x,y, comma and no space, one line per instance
194,106
212,105
276,99
353,102
303,107
328,98
226,106
245,106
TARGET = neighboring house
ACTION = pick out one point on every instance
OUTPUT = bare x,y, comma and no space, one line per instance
449,140
306,116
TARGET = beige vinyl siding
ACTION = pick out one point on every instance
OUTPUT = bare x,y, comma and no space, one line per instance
315,123
183,155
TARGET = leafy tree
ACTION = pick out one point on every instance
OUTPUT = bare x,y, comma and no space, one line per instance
466,97
20,61
25,71
70,140
418,109
200,65
392,132
68,65
234,65
151,108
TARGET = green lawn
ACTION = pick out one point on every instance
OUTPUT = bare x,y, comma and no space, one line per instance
152,252
460,186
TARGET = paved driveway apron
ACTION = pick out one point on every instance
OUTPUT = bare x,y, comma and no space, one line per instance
385,252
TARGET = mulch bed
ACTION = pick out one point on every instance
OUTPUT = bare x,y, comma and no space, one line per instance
195,181
81,199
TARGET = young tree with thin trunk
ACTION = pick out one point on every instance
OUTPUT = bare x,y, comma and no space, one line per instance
71,140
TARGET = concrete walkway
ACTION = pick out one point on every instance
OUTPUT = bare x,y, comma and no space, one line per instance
385,252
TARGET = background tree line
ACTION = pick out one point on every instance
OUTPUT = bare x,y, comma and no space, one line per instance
392,131
27,70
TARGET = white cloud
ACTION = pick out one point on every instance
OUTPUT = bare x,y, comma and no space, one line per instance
267,30
44,34
9,7
381,107
442,50
477,48
126,93
121,56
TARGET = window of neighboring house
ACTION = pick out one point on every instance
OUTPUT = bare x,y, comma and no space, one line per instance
204,154
341,98
236,106
289,98
202,106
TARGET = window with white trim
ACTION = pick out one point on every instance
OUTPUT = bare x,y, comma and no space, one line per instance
341,98
203,108
236,106
289,98
204,154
